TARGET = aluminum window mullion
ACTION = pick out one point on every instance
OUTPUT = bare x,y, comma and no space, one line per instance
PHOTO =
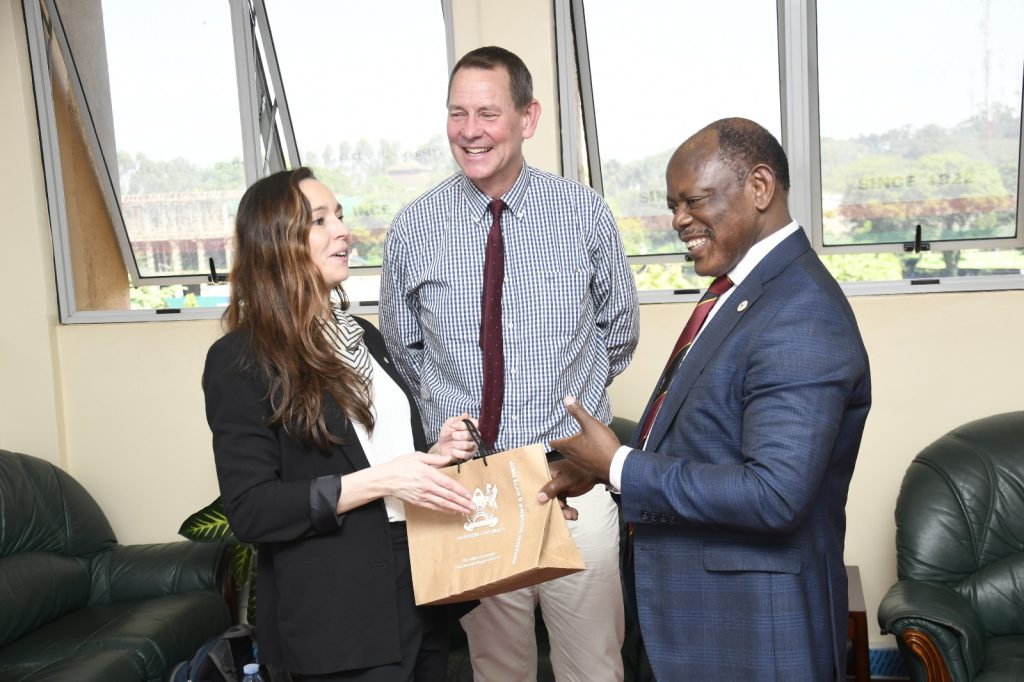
798,77
449,32
245,73
1020,171
40,65
586,93
273,158
567,94
280,101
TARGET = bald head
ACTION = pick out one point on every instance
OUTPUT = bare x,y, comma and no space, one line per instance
743,144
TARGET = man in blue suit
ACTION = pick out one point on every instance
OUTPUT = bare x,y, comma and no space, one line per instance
736,493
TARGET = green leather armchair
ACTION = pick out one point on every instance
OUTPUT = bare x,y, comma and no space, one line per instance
957,610
75,605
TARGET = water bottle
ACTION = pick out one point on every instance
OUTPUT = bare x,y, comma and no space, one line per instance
251,672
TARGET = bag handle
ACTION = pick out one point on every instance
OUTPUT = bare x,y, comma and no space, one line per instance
482,451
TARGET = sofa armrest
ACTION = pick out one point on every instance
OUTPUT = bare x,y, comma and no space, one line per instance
131,572
938,625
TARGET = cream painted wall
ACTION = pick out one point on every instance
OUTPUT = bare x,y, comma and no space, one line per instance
136,431
120,406
30,399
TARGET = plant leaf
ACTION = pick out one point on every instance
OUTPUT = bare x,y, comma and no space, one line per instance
209,524
242,563
243,567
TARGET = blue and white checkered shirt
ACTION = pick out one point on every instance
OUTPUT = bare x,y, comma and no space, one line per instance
569,305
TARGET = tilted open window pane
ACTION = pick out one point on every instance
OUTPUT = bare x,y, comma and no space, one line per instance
920,124
107,80
368,106
661,71
176,127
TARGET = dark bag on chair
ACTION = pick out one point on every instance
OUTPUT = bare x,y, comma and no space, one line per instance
219,659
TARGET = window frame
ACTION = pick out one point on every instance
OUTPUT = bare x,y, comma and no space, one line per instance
266,130
798,81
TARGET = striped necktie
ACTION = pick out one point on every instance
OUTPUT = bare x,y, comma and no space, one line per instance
686,337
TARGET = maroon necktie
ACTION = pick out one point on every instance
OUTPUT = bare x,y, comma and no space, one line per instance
490,329
686,337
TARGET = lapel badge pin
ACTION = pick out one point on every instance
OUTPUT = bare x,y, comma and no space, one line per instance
741,307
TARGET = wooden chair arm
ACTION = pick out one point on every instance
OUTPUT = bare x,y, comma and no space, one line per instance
924,648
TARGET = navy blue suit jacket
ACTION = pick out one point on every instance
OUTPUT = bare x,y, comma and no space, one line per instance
739,498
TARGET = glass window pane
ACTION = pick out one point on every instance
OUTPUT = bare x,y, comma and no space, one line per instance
681,74
174,104
888,267
920,125
368,106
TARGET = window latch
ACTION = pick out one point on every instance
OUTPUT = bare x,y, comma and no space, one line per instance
214,277
917,246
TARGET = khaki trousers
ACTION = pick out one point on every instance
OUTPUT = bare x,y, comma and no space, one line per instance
583,612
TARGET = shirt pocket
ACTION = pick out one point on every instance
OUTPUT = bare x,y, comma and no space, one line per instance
561,300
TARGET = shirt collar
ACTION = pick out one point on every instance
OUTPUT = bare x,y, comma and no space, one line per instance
758,252
514,198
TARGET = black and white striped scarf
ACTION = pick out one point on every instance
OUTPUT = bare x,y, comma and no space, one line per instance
347,338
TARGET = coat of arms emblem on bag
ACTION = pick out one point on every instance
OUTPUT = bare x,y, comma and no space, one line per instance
486,506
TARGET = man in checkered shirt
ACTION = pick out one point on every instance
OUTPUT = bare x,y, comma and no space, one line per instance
570,323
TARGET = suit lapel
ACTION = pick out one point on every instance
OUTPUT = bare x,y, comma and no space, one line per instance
337,422
700,353
712,336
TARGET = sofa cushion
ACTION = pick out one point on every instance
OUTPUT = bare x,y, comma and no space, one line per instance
1004,660
133,572
995,592
93,666
39,587
156,632
961,508
45,510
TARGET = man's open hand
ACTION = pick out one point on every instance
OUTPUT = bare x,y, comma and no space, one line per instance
588,456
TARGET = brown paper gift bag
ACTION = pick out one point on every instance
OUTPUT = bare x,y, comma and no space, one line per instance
511,541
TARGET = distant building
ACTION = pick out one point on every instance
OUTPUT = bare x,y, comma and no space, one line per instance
181,231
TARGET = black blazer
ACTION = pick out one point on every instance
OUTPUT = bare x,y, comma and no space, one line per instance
326,584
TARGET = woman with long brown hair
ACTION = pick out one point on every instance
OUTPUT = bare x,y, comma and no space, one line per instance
310,422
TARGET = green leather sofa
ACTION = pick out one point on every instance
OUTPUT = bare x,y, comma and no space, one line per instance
958,608
75,606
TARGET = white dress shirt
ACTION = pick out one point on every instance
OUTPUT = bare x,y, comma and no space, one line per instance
392,436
